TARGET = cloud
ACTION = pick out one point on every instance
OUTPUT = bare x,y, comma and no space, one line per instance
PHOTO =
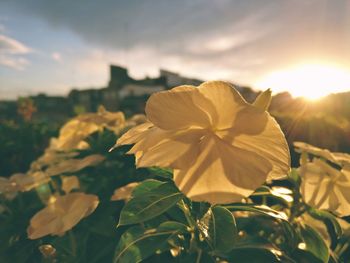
186,28
11,53
17,63
11,46
229,39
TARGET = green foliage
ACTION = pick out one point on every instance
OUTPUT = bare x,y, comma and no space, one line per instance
158,223
314,243
222,229
149,205
21,143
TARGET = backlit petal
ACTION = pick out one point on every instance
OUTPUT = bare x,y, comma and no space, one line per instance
178,108
324,153
268,142
226,100
178,151
222,173
134,134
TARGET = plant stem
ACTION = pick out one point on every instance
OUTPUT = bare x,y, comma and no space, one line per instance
199,256
73,243
187,213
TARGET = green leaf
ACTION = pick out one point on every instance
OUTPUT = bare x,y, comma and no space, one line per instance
221,229
161,172
264,210
150,204
253,255
281,218
266,193
333,227
303,256
173,226
314,243
146,186
137,244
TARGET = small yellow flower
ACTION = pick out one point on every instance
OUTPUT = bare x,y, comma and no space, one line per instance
220,147
70,183
62,214
29,181
325,187
75,131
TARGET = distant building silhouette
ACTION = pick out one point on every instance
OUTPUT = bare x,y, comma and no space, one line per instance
126,93
122,93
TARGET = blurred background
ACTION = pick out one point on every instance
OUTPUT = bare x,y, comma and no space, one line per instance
62,58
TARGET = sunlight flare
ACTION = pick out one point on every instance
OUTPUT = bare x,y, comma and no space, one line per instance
311,81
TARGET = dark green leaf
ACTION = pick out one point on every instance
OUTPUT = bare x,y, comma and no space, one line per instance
314,243
222,229
303,256
146,186
333,227
137,244
150,205
264,210
161,172
173,226
253,255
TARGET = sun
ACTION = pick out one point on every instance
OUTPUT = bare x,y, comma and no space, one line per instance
311,81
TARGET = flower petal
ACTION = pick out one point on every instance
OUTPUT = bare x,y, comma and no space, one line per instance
179,108
324,153
61,215
70,183
222,173
134,134
226,100
178,151
258,132
343,196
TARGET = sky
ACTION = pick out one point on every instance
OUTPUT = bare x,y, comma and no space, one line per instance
53,46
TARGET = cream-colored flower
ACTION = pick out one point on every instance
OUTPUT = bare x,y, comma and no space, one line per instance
75,131
20,182
29,181
52,156
113,121
136,119
124,192
220,147
342,158
325,187
73,134
69,183
74,165
62,214
335,157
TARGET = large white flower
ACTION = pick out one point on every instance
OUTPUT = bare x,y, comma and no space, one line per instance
334,157
74,132
220,147
325,187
